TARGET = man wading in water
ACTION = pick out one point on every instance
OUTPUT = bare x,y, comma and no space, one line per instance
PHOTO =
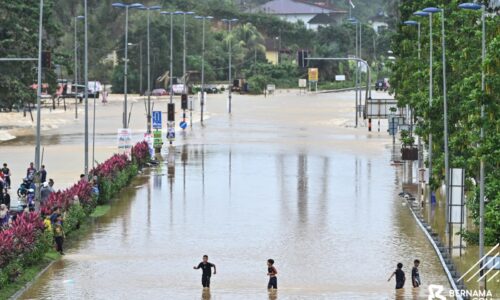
400,277
207,271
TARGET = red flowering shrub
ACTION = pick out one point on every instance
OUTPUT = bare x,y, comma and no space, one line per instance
63,199
21,237
115,163
140,153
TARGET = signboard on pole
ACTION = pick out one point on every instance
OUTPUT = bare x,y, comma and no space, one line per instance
124,138
156,119
313,74
302,83
157,139
339,77
149,139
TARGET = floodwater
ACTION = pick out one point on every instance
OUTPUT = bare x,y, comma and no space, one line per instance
285,177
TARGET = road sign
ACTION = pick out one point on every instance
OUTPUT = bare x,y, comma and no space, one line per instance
313,74
156,120
124,138
183,124
171,134
157,139
302,83
339,77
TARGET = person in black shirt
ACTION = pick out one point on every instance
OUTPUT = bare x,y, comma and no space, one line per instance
207,271
271,272
6,174
415,275
400,276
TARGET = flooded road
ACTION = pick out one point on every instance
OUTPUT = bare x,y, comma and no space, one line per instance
285,178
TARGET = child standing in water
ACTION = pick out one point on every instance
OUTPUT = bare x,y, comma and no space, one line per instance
271,272
400,276
207,271
415,275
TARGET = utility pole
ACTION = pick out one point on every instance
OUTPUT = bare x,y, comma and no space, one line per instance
38,97
86,93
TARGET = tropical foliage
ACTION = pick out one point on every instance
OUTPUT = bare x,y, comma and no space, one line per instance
410,83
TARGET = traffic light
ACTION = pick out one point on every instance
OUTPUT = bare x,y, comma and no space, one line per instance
46,59
171,112
302,58
184,101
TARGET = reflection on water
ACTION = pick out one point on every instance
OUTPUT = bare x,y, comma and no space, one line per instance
332,222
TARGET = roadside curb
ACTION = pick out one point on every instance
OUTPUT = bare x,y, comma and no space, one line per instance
441,251
30,283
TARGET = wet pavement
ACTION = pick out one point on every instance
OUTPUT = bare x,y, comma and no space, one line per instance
285,177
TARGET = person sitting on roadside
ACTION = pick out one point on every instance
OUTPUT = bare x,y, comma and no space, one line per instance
6,198
4,216
22,193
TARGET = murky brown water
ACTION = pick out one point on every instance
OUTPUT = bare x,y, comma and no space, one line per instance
279,179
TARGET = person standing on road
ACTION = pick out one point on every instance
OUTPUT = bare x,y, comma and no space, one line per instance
207,271
400,276
272,272
415,275
43,174
6,174
30,172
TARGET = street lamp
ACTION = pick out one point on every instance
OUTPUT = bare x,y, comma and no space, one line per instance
357,54
148,118
202,100
425,14
171,125
86,92
184,13
126,7
230,22
38,100
432,10
76,65
415,23
475,6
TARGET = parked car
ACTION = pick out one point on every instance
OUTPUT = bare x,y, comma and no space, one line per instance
159,92
381,85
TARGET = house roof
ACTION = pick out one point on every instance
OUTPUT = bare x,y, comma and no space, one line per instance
292,7
323,19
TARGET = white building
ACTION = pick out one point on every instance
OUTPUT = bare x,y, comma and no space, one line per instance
296,10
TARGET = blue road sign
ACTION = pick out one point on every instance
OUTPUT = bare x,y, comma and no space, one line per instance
183,124
156,119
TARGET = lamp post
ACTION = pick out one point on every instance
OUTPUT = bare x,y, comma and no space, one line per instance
202,100
86,92
432,10
38,104
356,53
425,14
184,13
76,65
148,117
475,6
419,164
230,22
126,7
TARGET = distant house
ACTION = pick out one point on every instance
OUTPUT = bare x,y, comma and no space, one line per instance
379,21
312,15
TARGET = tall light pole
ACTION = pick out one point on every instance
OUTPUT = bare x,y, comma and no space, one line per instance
202,102
86,92
230,22
171,92
419,164
148,117
76,65
126,7
432,10
424,14
184,13
356,53
38,98
475,6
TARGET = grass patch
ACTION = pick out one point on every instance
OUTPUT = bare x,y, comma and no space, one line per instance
100,210
28,275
